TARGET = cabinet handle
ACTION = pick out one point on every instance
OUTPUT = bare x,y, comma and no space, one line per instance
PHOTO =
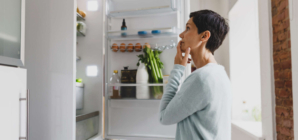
27,123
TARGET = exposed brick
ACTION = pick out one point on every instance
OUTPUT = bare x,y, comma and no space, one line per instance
276,58
279,120
282,112
282,137
284,45
282,69
275,40
277,27
279,84
285,131
286,64
276,47
286,13
278,102
275,20
284,55
286,24
289,44
285,75
282,36
283,5
281,16
291,114
288,102
284,93
277,66
288,84
276,74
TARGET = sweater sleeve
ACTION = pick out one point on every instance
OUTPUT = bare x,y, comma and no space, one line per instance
194,95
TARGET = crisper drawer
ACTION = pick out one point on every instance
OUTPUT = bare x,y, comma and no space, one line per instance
128,7
138,119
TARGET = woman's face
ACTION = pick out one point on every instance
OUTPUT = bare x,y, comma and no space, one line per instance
190,37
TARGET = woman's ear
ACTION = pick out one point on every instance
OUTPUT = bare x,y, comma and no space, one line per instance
205,36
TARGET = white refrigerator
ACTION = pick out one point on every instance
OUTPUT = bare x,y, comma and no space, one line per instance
129,118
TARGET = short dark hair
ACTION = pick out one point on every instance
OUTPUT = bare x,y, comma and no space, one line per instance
214,23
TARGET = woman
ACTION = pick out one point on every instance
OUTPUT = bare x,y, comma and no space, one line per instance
202,106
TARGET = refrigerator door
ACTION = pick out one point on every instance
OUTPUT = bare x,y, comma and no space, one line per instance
131,118
50,54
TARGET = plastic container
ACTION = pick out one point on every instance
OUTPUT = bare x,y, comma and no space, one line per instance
142,92
142,33
155,32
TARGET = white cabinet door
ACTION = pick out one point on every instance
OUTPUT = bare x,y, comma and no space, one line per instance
12,87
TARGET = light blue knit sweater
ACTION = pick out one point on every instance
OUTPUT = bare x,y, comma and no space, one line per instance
202,106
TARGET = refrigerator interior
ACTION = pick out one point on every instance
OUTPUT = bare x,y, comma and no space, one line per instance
139,118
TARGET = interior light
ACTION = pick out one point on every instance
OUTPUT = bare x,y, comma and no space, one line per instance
92,5
92,71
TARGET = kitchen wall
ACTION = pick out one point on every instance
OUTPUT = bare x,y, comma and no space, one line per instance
282,69
89,49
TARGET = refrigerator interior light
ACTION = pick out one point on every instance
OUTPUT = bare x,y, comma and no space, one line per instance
92,5
91,70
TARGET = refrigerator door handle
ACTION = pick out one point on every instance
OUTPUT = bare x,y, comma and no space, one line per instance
27,121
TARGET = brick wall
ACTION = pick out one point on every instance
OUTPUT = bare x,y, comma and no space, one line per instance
282,69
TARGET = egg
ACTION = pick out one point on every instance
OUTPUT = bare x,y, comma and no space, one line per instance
130,47
122,47
115,47
138,47
146,45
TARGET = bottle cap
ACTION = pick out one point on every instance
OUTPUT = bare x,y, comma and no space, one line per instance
123,22
115,71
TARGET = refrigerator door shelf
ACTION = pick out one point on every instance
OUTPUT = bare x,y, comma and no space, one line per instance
123,9
149,35
142,12
155,91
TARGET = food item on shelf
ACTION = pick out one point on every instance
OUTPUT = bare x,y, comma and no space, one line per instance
130,47
114,90
78,10
154,66
123,27
122,47
138,47
147,44
81,27
165,79
142,92
83,14
79,80
155,32
128,76
115,47
141,33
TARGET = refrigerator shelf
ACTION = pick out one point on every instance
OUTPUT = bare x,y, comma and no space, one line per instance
136,37
129,85
142,12
128,99
80,33
80,17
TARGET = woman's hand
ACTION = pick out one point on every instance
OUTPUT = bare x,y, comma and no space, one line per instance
182,60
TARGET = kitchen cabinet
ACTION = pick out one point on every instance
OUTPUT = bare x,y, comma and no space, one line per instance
13,102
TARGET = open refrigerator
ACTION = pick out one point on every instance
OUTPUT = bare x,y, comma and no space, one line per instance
137,119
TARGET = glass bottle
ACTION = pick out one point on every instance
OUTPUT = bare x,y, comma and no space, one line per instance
114,90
